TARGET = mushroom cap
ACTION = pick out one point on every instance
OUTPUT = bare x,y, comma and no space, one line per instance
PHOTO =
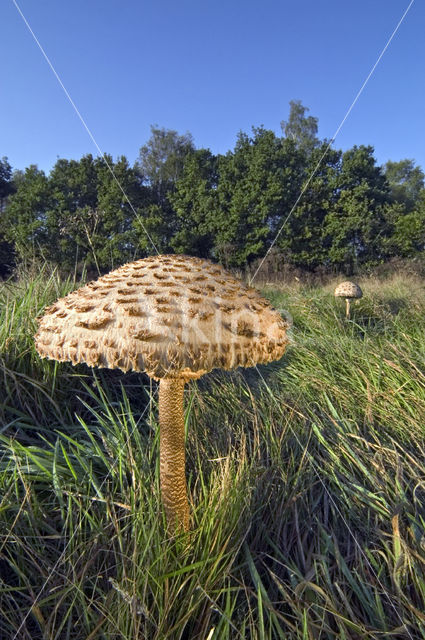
168,315
348,290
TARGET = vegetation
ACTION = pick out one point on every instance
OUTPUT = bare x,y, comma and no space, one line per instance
332,210
306,477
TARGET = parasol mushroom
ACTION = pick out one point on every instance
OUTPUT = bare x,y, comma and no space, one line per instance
175,318
349,291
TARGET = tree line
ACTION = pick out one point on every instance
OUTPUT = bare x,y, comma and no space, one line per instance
316,205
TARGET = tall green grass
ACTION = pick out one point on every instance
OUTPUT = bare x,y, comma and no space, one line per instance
306,477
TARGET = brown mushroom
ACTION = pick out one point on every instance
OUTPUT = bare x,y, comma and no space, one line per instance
174,317
349,291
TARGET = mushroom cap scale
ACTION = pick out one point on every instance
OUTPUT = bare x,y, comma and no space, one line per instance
348,290
169,316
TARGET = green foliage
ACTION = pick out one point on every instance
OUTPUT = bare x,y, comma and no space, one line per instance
257,183
79,214
72,217
406,181
6,183
196,205
300,128
25,215
160,165
318,208
304,238
357,223
408,234
92,215
7,187
122,202
161,161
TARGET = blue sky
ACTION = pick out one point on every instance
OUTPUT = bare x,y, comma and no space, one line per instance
208,67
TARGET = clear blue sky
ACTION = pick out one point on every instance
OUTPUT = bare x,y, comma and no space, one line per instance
208,67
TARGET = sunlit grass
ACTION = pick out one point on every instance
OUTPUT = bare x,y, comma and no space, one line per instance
306,477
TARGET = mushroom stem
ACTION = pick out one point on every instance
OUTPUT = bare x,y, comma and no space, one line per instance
347,307
172,453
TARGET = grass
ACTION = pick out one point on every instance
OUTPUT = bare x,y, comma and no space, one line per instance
306,477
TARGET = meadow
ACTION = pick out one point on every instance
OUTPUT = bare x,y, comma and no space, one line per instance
306,480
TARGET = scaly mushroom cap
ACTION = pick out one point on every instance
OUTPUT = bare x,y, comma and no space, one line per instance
169,316
348,290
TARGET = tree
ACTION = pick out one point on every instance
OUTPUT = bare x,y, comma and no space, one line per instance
406,182
195,203
122,203
25,214
72,217
256,187
303,239
89,212
160,165
6,182
407,239
161,161
359,221
6,189
91,218
300,128
240,227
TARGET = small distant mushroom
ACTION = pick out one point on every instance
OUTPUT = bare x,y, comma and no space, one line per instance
174,317
349,291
